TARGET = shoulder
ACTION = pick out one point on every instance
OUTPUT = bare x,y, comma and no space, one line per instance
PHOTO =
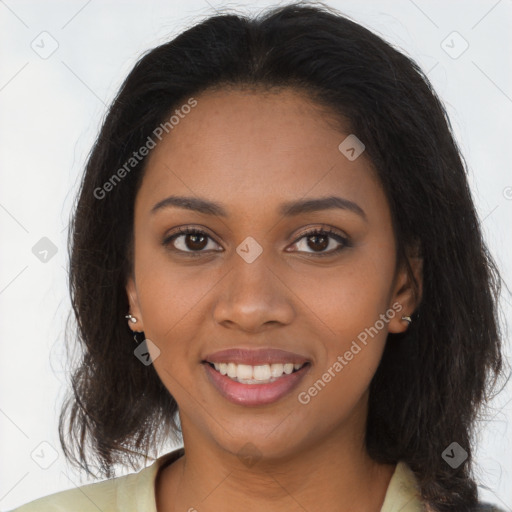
131,492
86,498
106,496
403,491
404,494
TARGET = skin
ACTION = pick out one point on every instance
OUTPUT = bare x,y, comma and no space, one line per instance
251,151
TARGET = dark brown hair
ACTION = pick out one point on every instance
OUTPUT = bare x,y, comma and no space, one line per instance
434,379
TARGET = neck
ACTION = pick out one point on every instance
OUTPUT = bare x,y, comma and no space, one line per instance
334,476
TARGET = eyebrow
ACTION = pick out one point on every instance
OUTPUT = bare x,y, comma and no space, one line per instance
288,209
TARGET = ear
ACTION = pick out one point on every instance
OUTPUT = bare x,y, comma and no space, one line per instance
407,290
131,291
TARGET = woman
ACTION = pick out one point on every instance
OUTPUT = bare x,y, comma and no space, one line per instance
277,212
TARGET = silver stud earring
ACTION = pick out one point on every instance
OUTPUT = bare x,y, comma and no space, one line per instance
132,319
407,319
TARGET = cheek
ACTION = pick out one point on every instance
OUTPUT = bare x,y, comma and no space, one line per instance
353,336
351,313
171,307
349,298
168,292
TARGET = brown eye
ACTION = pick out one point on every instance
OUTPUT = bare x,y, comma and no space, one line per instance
195,242
319,240
188,240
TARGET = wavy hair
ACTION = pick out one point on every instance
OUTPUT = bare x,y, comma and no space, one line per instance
433,380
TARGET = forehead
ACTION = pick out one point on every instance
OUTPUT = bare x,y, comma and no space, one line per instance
241,146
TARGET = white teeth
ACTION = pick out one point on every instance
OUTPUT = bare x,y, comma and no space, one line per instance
256,374
244,371
231,370
262,372
276,370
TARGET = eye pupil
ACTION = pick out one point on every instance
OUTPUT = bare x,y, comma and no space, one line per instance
195,238
322,245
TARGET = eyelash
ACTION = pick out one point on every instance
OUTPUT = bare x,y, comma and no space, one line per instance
345,242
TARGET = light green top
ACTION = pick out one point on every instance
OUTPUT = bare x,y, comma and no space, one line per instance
136,493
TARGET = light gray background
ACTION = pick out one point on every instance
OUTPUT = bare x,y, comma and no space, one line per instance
51,109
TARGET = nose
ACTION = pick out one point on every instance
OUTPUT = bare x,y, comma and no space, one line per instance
254,296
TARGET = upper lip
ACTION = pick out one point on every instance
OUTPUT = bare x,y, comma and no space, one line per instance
255,357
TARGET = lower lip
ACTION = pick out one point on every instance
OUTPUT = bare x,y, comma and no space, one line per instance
254,394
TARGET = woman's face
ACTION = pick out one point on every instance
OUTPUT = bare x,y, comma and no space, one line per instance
255,281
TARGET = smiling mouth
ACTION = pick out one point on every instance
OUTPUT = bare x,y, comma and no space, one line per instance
260,374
